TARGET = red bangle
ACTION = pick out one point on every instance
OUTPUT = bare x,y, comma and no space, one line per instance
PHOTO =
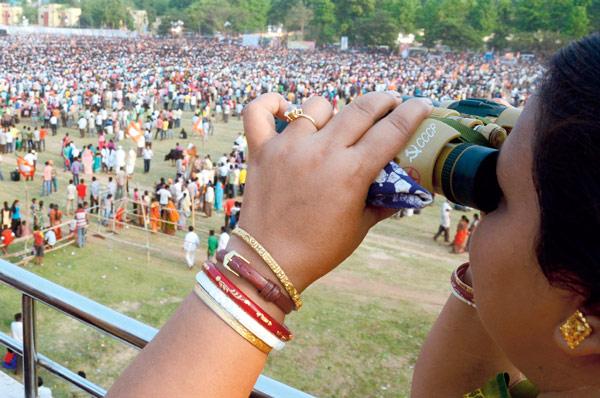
249,306
459,288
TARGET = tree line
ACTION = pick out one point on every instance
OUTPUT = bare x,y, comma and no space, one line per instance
459,24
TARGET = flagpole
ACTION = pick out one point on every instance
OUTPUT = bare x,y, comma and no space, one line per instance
27,211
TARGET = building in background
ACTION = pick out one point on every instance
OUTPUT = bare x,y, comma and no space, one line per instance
10,15
58,15
140,20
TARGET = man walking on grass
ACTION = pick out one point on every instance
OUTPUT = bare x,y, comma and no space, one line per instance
190,242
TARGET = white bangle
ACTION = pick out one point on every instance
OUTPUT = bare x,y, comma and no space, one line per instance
461,298
234,310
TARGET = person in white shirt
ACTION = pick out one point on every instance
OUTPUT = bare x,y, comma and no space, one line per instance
71,195
82,124
209,199
190,243
223,239
147,154
16,328
444,222
164,195
50,238
16,331
43,392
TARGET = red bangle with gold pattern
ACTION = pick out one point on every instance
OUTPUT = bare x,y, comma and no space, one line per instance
249,306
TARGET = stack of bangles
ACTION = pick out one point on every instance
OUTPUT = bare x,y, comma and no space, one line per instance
460,289
236,309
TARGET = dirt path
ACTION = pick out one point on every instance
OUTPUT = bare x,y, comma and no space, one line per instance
415,248
376,289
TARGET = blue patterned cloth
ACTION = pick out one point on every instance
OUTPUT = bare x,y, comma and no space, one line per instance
394,188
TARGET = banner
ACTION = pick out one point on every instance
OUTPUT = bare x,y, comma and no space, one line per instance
197,127
25,168
134,132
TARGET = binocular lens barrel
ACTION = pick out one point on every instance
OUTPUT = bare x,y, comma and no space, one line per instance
466,174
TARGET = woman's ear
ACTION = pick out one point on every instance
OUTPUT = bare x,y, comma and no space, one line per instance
579,334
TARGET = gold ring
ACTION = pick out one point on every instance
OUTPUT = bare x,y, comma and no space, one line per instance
297,113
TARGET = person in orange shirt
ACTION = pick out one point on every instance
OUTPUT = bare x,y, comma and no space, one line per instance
7,238
38,245
55,220
155,215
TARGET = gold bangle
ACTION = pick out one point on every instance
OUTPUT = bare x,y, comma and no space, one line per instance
230,320
285,281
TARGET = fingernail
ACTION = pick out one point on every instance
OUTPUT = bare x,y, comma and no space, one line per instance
426,101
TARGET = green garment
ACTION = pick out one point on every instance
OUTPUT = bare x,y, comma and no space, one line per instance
497,387
213,242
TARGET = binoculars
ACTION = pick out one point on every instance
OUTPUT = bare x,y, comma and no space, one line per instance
454,152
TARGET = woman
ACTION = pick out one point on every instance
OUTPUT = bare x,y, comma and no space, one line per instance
534,271
15,217
155,215
462,231
170,216
101,140
219,196
185,206
472,229
98,160
57,221
6,215
87,159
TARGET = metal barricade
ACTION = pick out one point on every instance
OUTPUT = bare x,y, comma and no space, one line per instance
34,288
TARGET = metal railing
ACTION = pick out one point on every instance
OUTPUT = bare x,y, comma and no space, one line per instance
130,331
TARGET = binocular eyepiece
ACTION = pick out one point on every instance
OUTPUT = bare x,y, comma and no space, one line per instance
454,152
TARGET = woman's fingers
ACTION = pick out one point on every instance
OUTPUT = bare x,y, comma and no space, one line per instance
319,109
259,124
384,140
355,119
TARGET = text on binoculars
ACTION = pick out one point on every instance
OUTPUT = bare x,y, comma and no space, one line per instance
413,151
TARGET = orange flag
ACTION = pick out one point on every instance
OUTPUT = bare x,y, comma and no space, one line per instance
25,168
197,127
134,132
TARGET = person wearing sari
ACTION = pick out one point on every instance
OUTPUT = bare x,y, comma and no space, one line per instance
55,220
101,140
97,161
462,232
185,205
38,215
219,196
171,216
155,215
87,159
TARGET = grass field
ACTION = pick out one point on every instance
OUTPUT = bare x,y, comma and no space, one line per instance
358,334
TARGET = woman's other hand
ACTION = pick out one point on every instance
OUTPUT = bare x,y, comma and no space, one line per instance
306,187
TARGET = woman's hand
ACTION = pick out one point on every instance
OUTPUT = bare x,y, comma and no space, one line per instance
306,188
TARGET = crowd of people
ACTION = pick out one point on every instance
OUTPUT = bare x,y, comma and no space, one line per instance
102,84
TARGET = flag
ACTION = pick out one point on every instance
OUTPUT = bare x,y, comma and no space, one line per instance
25,168
134,132
197,127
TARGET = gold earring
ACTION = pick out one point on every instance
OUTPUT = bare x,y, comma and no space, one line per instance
575,329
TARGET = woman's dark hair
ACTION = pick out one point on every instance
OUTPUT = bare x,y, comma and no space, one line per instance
566,170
